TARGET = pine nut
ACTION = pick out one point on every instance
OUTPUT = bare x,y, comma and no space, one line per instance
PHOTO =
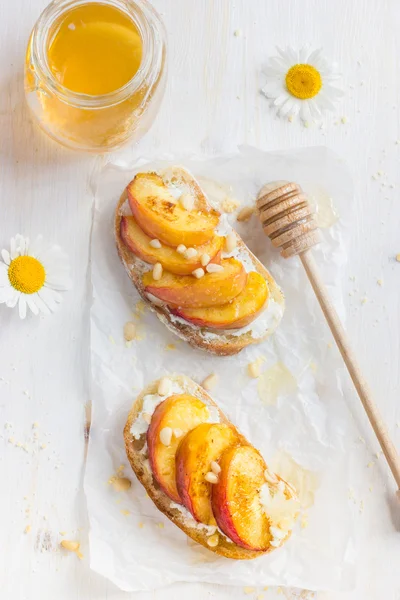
213,540
181,249
211,477
70,546
155,300
230,242
157,271
166,436
253,369
213,268
215,468
187,201
245,213
155,243
281,486
146,418
120,484
270,477
198,273
190,253
129,331
164,387
178,433
205,259
210,381
278,533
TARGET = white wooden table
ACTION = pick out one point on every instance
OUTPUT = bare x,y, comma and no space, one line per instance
212,104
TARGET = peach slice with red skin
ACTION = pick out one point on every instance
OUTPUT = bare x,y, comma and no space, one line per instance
161,216
138,242
204,444
240,312
235,498
180,412
212,289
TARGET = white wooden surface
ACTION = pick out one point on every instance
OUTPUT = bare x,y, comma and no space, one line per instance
212,104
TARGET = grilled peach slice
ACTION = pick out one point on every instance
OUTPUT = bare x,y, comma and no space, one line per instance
235,498
139,243
240,312
172,418
161,216
198,449
211,290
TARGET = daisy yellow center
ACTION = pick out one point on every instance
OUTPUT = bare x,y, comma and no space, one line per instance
26,274
303,81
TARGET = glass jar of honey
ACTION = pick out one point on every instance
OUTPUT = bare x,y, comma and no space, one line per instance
95,71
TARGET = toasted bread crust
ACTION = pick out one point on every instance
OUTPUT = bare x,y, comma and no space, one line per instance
137,458
220,343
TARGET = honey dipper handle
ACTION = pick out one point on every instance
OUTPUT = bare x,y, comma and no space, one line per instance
346,351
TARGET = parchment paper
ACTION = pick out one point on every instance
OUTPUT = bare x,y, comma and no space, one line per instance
302,426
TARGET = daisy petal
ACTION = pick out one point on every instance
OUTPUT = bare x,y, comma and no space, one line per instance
281,99
6,256
284,58
271,90
13,249
273,72
5,294
55,295
13,298
324,68
22,306
26,246
32,304
278,63
286,108
293,56
4,280
47,295
296,108
305,114
314,57
303,54
41,306
314,110
57,283
20,243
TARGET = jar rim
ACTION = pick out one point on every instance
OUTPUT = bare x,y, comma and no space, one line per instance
149,25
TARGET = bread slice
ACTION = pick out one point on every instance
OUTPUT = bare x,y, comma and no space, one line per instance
219,342
139,463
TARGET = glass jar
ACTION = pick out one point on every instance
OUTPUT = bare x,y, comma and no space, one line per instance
96,123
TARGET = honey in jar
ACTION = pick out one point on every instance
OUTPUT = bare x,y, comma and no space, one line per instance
95,71
95,49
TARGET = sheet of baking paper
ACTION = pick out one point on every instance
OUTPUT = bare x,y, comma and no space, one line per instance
295,413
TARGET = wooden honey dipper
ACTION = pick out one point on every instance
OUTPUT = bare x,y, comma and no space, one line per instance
290,223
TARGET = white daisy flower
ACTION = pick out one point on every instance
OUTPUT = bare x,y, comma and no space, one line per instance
31,275
300,83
